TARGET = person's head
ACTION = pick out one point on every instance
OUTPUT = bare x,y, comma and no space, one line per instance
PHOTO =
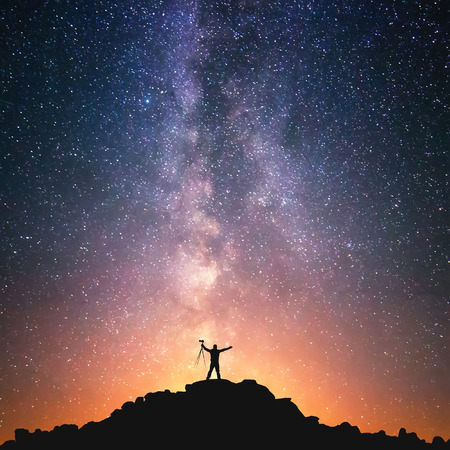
215,346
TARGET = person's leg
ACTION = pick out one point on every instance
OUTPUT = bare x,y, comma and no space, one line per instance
218,371
210,372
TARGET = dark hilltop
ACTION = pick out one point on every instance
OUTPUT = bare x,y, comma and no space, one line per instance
214,413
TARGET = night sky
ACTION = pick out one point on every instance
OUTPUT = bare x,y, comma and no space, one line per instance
266,175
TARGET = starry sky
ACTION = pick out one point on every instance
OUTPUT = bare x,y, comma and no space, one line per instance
267,175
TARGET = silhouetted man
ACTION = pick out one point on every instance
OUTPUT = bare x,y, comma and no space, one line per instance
214,353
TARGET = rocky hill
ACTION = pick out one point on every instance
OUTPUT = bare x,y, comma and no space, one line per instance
218,414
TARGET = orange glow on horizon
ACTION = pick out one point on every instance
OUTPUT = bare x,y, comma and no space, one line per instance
289,368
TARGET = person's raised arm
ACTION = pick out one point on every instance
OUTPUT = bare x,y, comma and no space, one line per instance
204,348
225,349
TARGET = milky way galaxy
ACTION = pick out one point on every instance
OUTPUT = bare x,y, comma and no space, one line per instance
266,175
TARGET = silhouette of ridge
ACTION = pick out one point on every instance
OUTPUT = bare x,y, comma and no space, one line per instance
216,413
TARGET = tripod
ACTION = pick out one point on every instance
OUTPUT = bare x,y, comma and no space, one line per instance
200,354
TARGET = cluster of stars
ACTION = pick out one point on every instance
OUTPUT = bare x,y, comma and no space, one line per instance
270,175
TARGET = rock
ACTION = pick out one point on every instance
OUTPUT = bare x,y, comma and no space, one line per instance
439,442
235,415
128,406
22,436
